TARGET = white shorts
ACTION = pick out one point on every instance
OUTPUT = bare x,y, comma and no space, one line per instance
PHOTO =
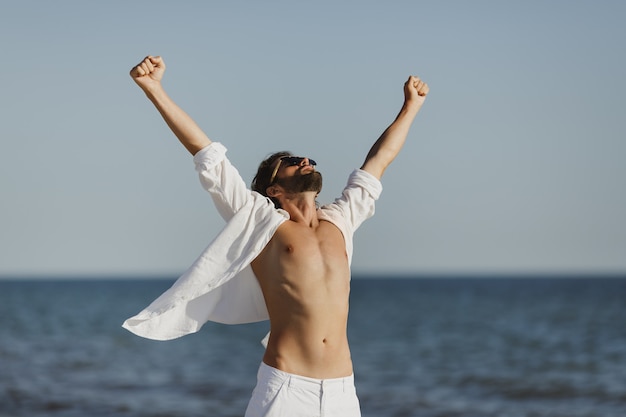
281,394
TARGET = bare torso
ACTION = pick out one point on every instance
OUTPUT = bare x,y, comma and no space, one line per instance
305,278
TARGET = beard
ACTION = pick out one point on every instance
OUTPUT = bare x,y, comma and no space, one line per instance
302,183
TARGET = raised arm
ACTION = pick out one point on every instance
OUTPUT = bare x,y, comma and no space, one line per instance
391,141
148,74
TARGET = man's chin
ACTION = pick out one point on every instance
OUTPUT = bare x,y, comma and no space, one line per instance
302,183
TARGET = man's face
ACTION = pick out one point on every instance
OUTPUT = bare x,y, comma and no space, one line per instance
298,177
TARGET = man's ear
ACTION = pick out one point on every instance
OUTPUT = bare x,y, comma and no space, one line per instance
272,191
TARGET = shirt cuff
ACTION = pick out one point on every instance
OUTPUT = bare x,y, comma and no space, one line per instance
209,156
366,181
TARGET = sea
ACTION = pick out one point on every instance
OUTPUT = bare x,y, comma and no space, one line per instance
421,347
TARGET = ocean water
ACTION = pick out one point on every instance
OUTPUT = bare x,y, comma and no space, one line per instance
470,347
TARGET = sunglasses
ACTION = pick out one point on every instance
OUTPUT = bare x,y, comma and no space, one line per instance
289,161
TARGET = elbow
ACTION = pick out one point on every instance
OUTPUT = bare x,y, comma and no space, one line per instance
375,166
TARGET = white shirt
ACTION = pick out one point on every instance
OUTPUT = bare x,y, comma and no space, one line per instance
220,285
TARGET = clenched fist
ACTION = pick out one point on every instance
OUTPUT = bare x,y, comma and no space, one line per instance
148,73
415,91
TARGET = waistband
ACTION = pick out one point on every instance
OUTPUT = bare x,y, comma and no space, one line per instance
269,373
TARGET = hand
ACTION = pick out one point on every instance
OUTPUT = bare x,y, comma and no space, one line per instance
148,73
415,91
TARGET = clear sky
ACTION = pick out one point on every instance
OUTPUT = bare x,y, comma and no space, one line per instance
515,164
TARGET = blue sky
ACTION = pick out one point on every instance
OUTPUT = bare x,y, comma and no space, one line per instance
514,165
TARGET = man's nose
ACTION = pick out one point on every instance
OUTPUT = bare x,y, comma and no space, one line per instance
304,162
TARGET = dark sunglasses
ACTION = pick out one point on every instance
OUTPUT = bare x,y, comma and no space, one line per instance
289,161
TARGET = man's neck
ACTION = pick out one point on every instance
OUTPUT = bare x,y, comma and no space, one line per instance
301,208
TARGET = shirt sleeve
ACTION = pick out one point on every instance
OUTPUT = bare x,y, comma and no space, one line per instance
221,179
357,201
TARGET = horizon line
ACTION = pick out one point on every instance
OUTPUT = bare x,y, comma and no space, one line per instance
356,275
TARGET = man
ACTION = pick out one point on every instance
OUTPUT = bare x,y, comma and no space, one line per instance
299,254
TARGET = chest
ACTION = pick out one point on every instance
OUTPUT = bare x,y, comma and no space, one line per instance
302,263
296,243
326,238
